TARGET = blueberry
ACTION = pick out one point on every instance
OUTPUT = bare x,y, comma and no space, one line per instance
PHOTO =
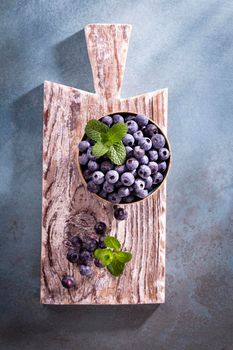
138,135
158,141
153,167
138,152
76,242
83,159
87,174
129,151
129,117
72,256
128,199
107,120
153,154
120,214
131,189
157,178
132,126
100,228
98,263
68,281
101,242
141,119
83,146
85,270
132,163
145,143
107,187
89,154
120,169
144,171
103,194
128,140
92,187
112,176
127,179
148,183
138,185
124,191
150,130
114,198
144,160
98,177
118,184
105,166
92,165
117,118
162,167
85,257
89,244
164,154
134,172
142,193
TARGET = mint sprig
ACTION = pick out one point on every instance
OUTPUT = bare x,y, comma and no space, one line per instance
112,257
108,140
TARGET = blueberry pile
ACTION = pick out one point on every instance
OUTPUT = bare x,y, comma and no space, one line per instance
146,164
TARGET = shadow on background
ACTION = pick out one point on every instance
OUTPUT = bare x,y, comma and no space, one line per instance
73,62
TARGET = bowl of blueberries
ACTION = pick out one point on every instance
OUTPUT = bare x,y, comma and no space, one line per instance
124,157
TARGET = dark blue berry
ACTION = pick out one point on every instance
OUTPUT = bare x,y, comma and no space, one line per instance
76,242
144,171
128,140
124,191
138,152
89,244
145,143
105,166
83,159
100,228
132,126
150,130
127,179
98,177
92,165
153,155
157,178
114,198
120,214
107,120
112,176
158,141
85,257
107,187
68,281
141,119
72,256
164,153
162,166
85,270
83,146
153,167
132,163
98,263
117,118
92,187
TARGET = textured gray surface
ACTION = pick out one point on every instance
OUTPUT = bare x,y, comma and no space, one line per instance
186,46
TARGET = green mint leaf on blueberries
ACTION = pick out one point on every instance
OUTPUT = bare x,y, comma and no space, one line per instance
117,153
94,129
116,267
123,257
116,133
99,149
112,242
105,256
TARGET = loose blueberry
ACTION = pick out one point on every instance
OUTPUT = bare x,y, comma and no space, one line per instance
85,270
144,160
89,244
83,159
153,167
105,166
107,120
92,187
92,165
127,179
132,126
120,169
85,257
145,143
107,187
76,242
72,256
138,135
120,214
162,167
83,146
139,185
150,130
148,182
100,228
153,155
112,176
142,193
114,198
164,153
141,119
98,263
158,141
98,177
144,171
68,281
157,178
138,152
129,151
132,163
117,118
128,140
101,242
123,191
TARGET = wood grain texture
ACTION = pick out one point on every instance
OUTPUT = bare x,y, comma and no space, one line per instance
68,208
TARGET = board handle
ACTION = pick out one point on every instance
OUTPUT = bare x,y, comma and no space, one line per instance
107,46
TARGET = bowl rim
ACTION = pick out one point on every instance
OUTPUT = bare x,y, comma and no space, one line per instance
152,192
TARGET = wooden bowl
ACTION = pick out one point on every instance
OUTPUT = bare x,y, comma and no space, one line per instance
167,145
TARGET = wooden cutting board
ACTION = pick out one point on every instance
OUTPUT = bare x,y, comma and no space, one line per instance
69,208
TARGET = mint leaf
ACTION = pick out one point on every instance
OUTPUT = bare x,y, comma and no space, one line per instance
123,257
94,129
105,256
116,267
117,153
99,149
112,242
116,133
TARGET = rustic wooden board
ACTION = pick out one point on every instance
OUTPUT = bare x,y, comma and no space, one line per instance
67,206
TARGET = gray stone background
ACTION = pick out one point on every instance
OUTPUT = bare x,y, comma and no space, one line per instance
186,46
